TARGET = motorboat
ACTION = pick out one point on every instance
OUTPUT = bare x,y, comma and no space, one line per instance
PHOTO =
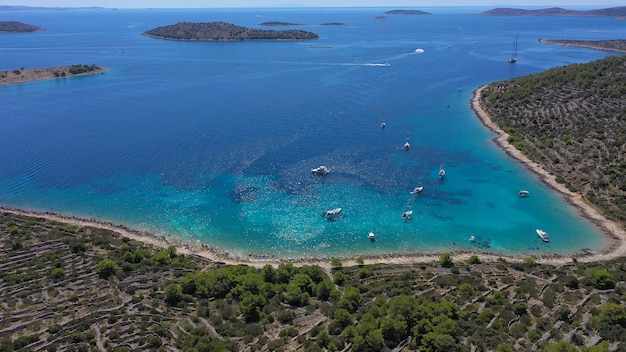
407,146
543,235
419,51
407,214
371,236
417,190
442,173
523,193
472,238
382,125
332,213
321,170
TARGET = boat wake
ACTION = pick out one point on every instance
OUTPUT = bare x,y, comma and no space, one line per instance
373,64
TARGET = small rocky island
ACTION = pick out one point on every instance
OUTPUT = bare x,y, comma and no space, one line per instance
407,12
22,75
222,31
17,27
557,11
279,23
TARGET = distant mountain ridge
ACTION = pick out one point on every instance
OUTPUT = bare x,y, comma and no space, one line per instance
31,8
619,11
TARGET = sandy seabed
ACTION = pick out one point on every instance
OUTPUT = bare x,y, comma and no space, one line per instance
612,229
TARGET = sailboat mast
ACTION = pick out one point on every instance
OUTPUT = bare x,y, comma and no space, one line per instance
514,55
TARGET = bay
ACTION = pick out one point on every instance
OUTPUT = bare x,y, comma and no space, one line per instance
215,141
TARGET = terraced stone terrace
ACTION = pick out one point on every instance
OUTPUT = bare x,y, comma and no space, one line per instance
65,288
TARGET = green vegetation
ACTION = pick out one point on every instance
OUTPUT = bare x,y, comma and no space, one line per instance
78,69
76,288
572,121
221,31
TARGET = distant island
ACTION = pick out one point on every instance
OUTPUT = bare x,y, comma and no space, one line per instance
39,8
17,27
557,11
618,45
222,31
278,23
22,75
407,12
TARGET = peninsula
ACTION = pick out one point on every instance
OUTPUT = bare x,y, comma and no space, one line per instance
23,75
617,45
17,27
222,31
568,125
619,11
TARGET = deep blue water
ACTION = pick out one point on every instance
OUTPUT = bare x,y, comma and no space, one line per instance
215,141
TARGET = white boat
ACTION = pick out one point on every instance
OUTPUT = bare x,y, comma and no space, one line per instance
543,235
332,213
407,214
419,50
417,190
472,238
322,170
523,193
407,146
382,125
442,173
371,236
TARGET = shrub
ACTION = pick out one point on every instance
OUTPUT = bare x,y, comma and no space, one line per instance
473,260
107,268
286,316
446,260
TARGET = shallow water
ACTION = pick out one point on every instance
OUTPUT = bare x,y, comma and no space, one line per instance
215,141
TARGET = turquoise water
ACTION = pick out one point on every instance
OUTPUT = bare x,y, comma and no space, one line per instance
215,141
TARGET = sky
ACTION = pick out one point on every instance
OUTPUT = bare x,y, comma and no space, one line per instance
312,3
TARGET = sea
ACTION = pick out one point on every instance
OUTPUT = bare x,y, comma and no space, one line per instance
213,142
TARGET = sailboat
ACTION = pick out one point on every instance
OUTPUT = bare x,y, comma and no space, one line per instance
513,58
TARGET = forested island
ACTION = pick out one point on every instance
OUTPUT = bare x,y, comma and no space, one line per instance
22,75
617,45
572,121
81,288
619,11
17,27
222,31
